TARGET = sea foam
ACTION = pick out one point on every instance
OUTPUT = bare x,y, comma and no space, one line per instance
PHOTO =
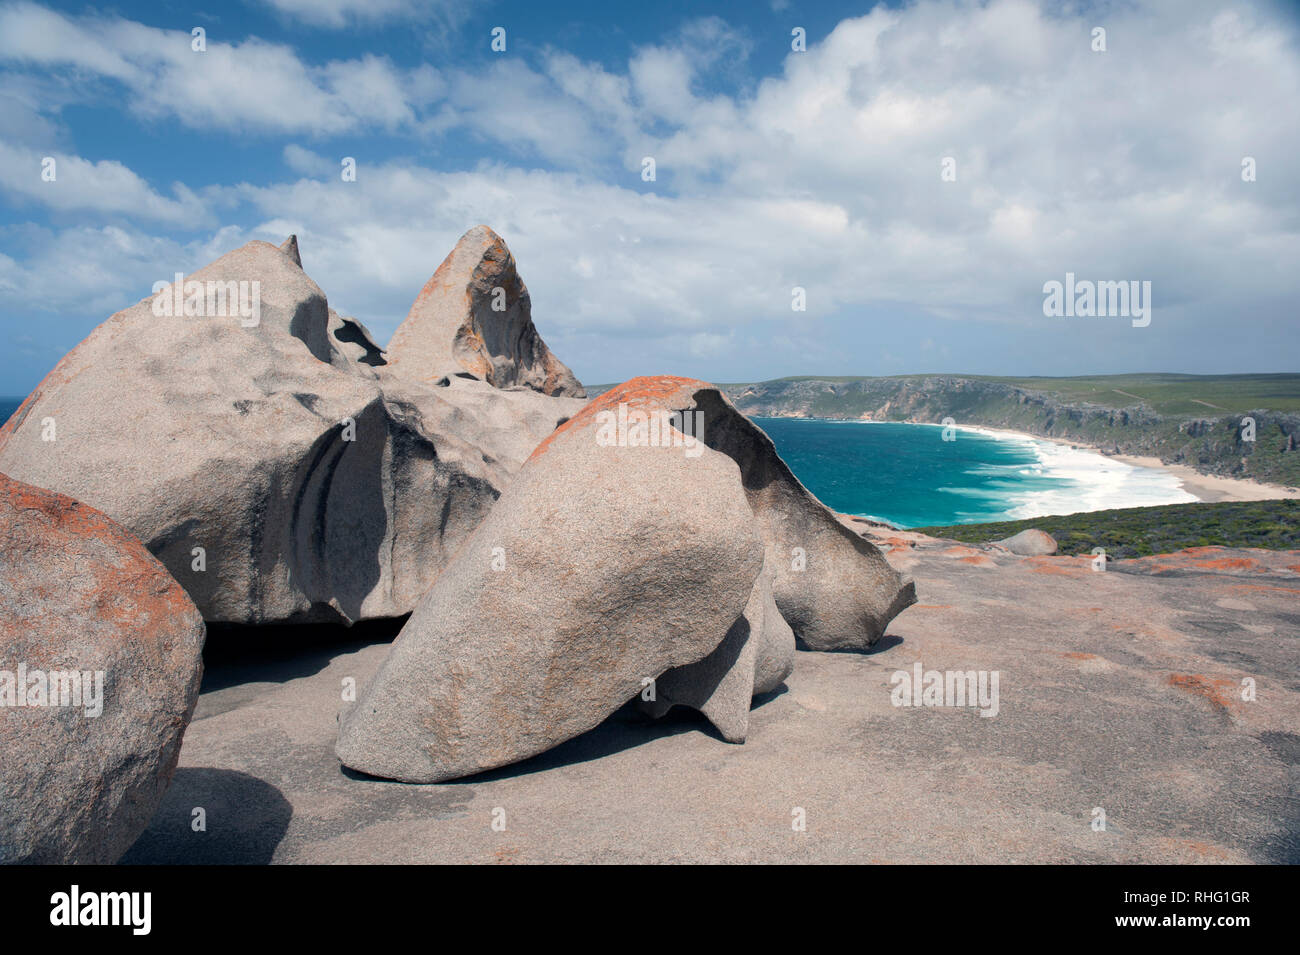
1075,480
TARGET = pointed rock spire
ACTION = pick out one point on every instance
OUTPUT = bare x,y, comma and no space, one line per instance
290,248
339,495
475,316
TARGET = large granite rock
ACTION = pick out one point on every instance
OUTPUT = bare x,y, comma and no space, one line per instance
834,588
475,316
1030,542
754,658
100,663
266,455
628,549
595,571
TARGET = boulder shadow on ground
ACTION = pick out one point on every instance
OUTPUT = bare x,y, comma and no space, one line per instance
245,819
1283,848
276,654
887,642
627,728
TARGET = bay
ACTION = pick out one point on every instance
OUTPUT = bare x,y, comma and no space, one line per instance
907,475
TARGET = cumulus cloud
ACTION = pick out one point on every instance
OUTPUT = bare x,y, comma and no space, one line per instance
825,175
252,84
305,162
106,188
338,14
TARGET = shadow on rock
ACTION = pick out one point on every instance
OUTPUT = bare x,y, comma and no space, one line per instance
245,820
276,654
887,642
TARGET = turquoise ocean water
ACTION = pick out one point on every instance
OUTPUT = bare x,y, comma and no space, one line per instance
907,475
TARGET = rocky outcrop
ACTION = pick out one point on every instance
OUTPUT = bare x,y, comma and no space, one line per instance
475,316
100,664
1030,542
754,658
1119,690
627,552
290,248
593,573
260,446
834,592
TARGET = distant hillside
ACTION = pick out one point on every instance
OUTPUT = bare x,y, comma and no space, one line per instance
1194,420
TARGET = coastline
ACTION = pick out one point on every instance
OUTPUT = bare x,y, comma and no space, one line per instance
1211,487
1206,488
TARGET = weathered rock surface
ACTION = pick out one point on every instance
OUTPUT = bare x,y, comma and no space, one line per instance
354,347
290,248
1119,690
593,572
834,588
627,549
1030,542
86,758
754,658
475,316
272,462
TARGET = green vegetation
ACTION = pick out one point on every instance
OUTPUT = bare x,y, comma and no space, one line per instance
1194,395
1165,394
1195,420
1142,531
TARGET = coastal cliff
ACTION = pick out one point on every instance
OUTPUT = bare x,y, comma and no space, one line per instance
1212,443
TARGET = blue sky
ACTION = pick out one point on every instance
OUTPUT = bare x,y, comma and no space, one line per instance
819,169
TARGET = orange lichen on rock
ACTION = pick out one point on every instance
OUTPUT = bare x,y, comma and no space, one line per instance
1211,688
79,592
1230,563
120,585
1225,559
649,392
1259,587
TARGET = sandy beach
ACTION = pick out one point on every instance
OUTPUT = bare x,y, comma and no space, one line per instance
1209,487
1206,487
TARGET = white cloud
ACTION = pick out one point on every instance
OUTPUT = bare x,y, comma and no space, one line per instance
307,163
252,84
102,188
338,14
826,176
708,344
84,271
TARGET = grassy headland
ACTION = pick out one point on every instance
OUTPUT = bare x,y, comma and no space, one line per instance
1193,420
1142,531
